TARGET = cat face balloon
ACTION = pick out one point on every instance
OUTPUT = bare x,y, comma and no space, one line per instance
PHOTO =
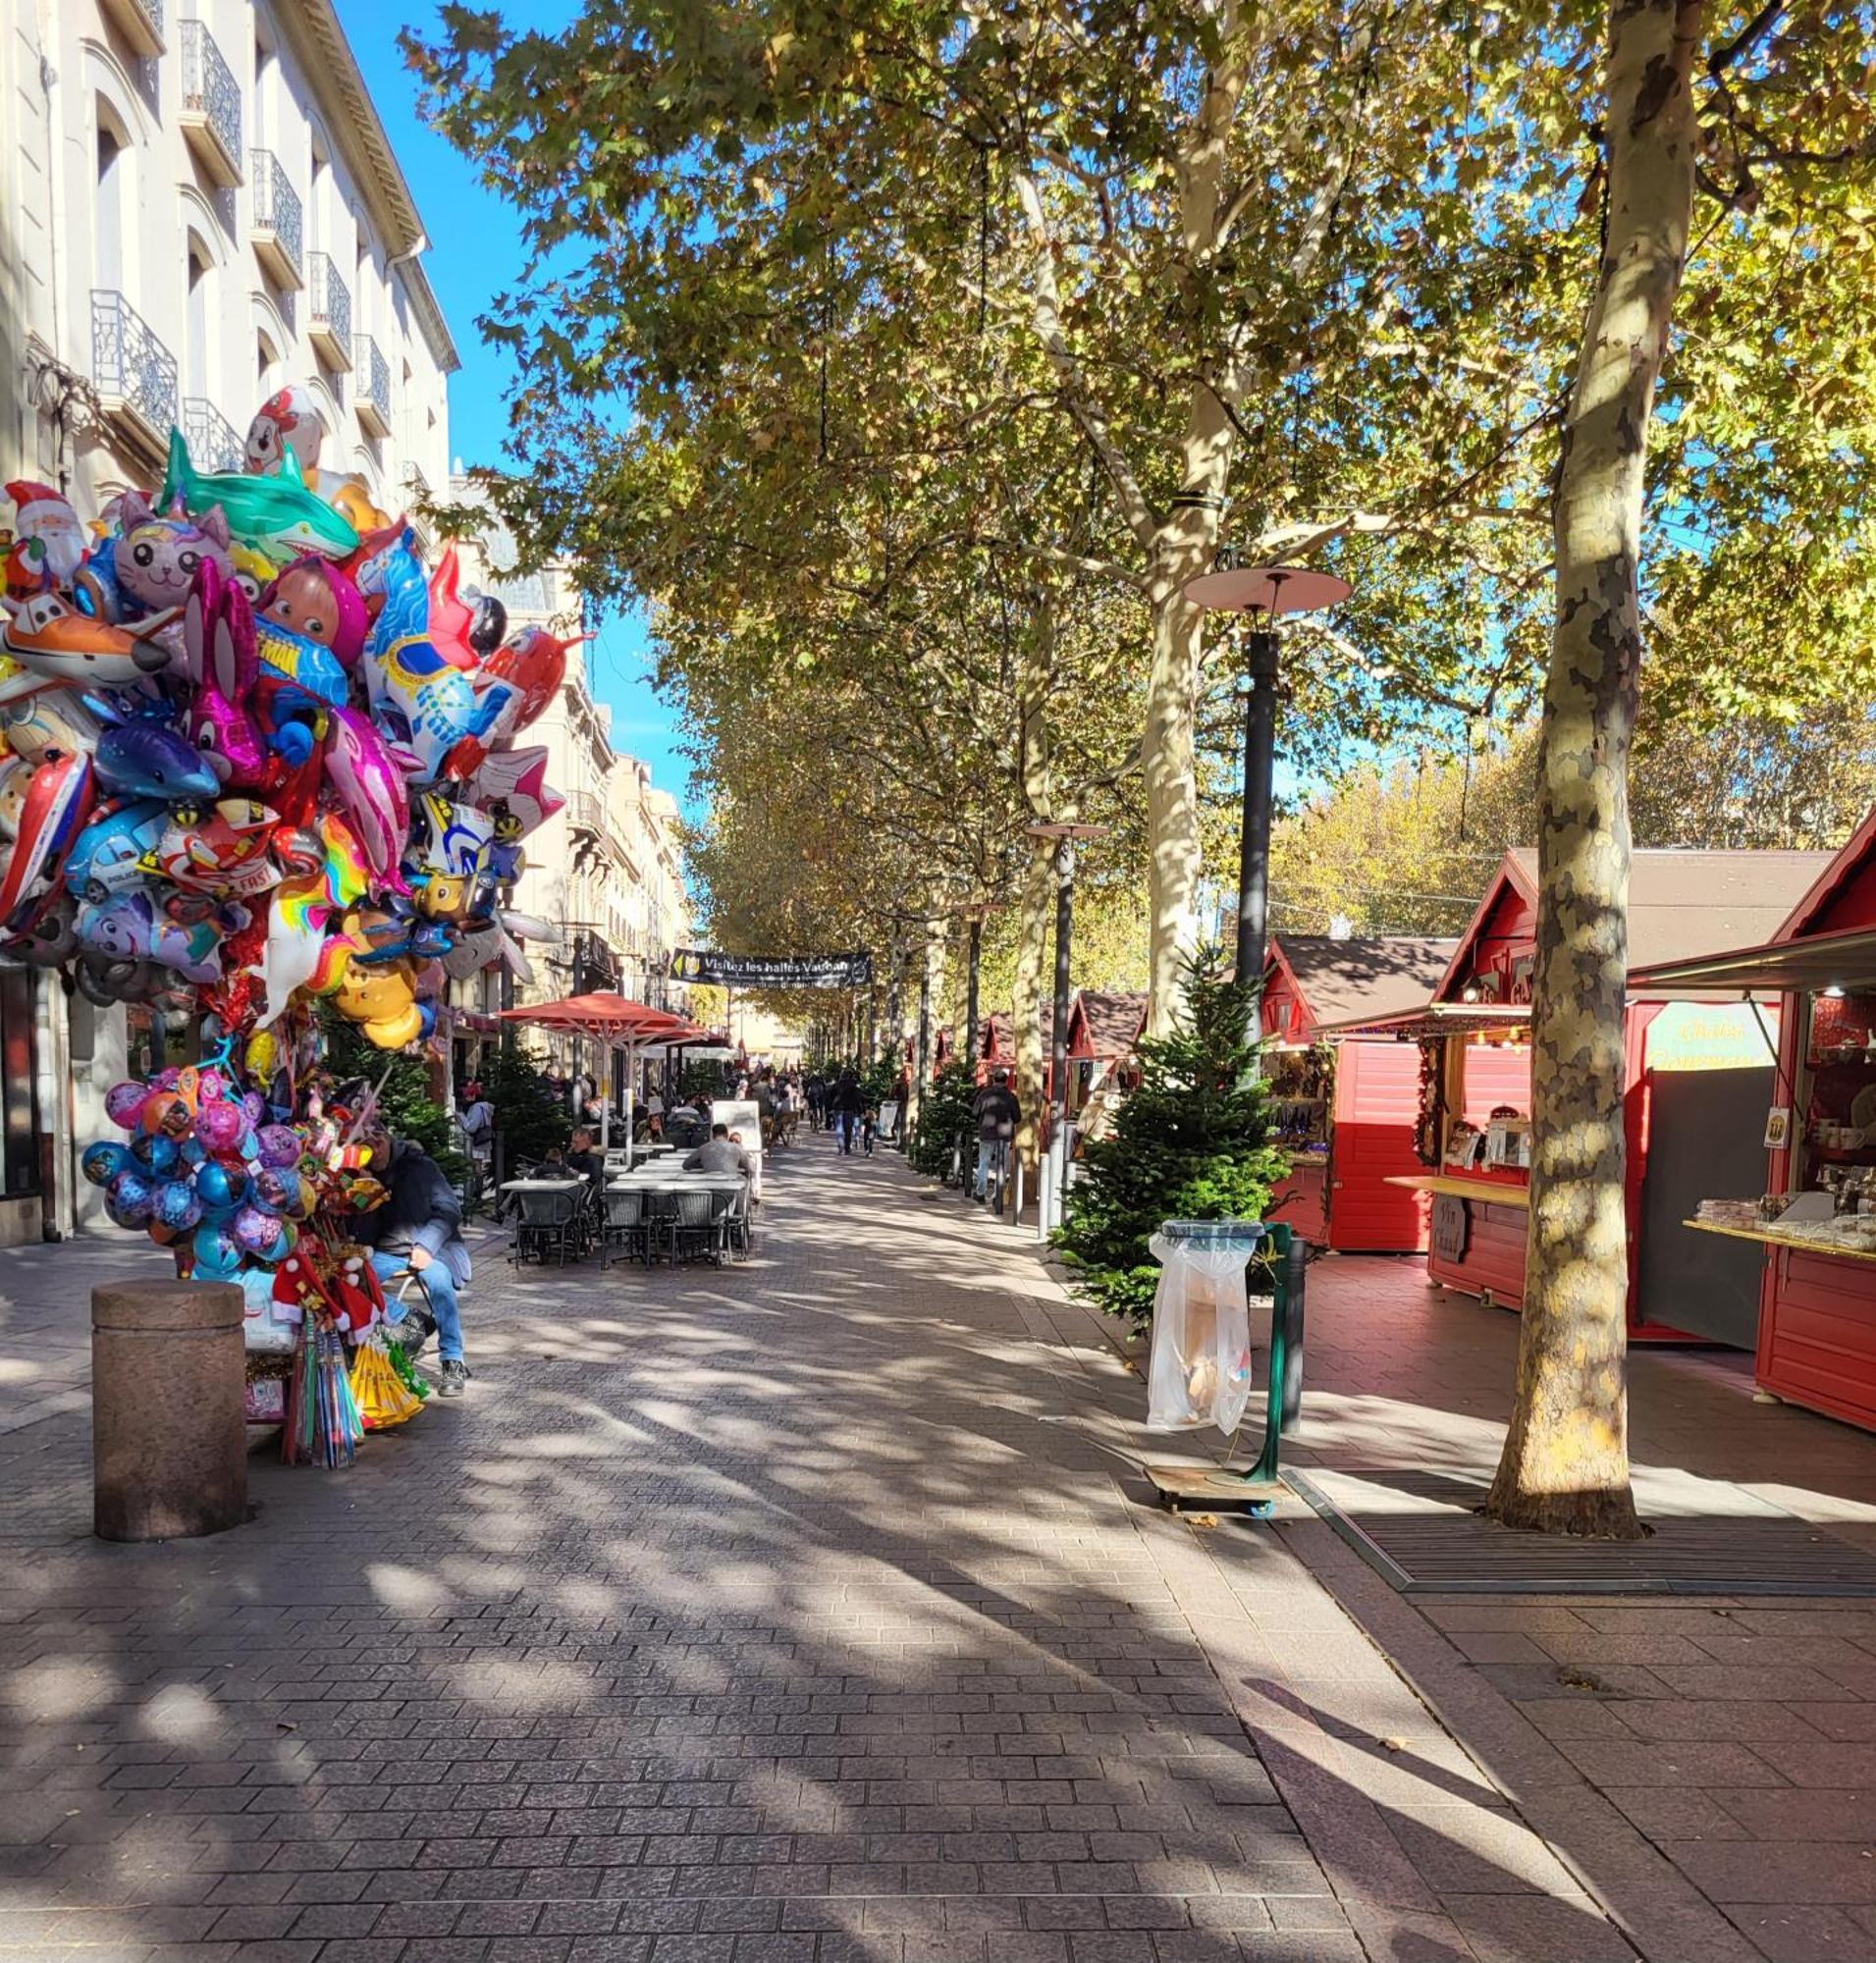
157,557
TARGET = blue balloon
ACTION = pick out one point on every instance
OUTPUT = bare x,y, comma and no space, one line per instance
103,1161
219,1189
157,1153
176,1205
128,1198
218,1254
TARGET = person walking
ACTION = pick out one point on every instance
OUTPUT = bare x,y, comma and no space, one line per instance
997,1114
847,1103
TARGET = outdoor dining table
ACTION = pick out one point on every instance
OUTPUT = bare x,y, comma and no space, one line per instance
541,1184
676,1179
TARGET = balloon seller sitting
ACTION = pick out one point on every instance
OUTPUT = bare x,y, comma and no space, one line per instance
419,1228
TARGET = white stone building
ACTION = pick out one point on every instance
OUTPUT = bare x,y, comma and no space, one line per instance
607,872
199,207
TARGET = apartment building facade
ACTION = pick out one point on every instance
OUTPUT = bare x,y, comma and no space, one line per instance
199,207
605,873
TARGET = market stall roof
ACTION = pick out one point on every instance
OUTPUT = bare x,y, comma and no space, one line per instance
1682,901
1844,960
1105,1023
1352,977
1438,1019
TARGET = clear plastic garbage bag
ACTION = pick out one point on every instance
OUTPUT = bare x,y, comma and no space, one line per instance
1201,1367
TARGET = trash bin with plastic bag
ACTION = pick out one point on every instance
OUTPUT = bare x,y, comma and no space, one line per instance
1201,1367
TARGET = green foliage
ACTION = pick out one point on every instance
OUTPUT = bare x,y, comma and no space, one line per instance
1193,1143
528,1116
943,1115
405,1102
701,1078
880,1079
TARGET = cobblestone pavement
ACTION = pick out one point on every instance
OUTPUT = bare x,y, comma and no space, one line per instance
1682,1752
800,1610
809,1609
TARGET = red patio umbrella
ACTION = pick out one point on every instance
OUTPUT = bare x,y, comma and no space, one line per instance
609,1019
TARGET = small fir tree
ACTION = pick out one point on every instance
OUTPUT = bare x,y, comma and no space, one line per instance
405,1102
1193,1143
529,1116
943,1118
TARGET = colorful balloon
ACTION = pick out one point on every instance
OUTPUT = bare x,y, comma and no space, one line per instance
103,1162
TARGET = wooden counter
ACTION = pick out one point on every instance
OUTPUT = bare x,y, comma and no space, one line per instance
1455,1186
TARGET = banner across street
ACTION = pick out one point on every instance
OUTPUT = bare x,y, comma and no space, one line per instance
771,970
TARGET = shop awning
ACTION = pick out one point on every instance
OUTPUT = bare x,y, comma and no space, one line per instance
1821,960
1438,1019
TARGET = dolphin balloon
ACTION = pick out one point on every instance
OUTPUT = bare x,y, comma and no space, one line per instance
277,515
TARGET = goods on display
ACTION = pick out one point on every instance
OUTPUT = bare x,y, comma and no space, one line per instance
255,754
1830,1205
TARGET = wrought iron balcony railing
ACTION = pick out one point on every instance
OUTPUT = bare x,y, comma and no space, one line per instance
134,373
214,443
374,385
277,220
211,105
141,23
329,311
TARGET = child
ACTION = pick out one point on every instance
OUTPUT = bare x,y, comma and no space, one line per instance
869,1127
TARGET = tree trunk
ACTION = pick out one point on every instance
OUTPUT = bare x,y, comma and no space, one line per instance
1026,1000
1565,1468
1166,757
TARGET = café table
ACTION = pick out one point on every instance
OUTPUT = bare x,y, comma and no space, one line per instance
653,1181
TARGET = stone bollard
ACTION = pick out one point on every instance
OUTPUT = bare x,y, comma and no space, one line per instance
169,1438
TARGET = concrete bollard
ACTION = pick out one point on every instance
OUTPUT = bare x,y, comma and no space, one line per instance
169,1440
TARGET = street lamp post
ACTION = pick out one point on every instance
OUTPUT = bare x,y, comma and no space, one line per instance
1264,593
1049,1191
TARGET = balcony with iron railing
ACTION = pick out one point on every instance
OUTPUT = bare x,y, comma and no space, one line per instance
328,312
214,443
211,116
277,220
139,23
134,373
374,385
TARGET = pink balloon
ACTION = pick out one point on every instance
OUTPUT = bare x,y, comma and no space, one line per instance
219,1127
124,1103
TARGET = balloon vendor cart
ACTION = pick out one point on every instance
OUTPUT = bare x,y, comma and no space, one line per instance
255,755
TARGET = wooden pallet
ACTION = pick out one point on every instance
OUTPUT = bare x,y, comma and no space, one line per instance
1422,1531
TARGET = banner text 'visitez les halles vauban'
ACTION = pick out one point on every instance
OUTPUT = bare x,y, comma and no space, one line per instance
771,970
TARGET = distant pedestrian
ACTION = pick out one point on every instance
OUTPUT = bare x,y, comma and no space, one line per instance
846,1105
997,1114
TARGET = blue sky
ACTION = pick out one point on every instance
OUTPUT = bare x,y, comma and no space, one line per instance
475,251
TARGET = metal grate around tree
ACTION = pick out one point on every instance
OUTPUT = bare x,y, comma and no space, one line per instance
214,443
131,366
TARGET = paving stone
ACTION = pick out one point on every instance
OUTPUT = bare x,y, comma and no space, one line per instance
766,1622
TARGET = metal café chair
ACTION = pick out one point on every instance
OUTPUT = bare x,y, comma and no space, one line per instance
547,1226
692,1227
628,1228
738,1227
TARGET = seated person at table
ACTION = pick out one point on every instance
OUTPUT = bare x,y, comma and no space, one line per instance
580,1155
420,1226
721,1154
554,1162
